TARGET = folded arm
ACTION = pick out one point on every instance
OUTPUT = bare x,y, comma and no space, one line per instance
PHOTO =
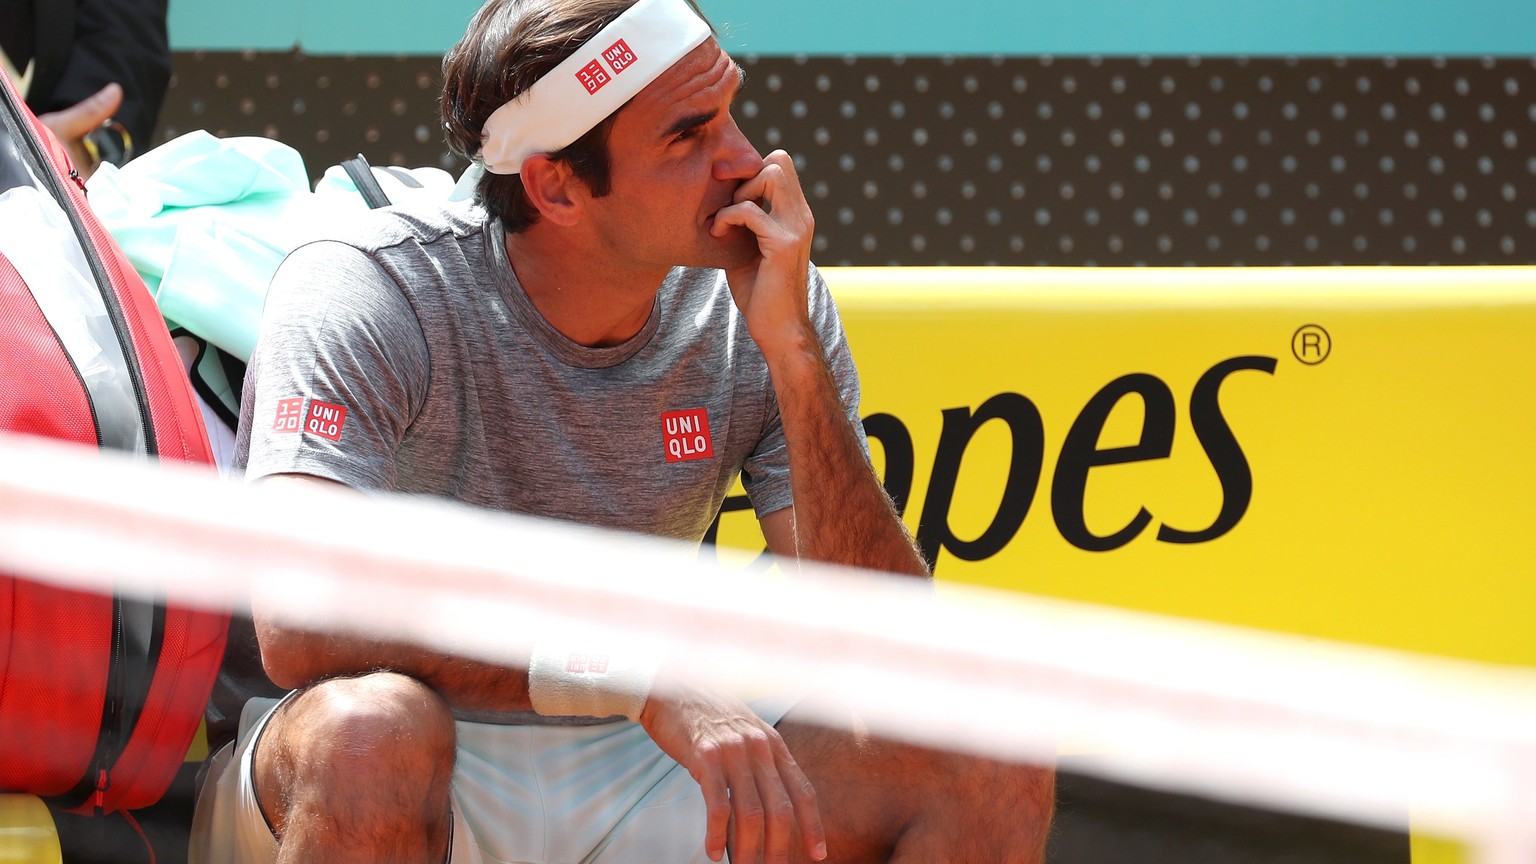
295,657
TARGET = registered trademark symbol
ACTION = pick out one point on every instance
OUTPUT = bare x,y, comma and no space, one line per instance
1311,344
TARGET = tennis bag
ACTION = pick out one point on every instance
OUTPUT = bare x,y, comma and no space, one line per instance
100,696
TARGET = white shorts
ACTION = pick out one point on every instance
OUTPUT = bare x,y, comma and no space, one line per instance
601,794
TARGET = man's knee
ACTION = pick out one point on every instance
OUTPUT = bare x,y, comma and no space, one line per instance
913,803
1016,802
381,742
381,719
976,808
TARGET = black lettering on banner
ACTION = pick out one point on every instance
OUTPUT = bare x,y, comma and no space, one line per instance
900,461
1028,454
1221,448
1081,453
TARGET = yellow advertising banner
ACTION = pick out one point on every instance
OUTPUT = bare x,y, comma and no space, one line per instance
1345,453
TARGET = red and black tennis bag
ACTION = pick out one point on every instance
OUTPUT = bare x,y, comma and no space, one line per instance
100,696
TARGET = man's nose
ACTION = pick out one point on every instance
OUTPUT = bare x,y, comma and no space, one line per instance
737,159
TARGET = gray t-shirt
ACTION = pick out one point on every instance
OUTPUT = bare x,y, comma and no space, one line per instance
406,357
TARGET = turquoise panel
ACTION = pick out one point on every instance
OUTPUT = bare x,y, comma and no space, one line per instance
919,27
218,25
1129,27
382,26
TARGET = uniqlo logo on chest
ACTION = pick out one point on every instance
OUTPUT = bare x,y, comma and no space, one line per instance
290,414
325,420
619,56
593,76
685,435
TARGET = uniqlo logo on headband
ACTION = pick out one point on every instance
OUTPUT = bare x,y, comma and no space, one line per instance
619,56
593,76
290,414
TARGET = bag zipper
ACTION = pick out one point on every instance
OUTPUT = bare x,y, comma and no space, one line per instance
112,736
42,166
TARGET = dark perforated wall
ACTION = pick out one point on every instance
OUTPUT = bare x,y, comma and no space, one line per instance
1066,161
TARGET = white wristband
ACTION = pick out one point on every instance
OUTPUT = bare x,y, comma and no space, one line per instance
566,680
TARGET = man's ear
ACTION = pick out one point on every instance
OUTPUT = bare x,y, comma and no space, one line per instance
549,184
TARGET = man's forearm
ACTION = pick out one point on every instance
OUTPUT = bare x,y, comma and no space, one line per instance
842,514
294,658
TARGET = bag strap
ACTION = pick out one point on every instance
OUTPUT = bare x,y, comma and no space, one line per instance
367,185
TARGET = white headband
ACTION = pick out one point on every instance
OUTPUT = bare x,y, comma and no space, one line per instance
603,74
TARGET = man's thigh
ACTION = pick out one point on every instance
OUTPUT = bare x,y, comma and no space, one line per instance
883,800
601,794
548,794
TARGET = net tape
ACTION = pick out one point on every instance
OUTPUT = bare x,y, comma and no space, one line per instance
1347,732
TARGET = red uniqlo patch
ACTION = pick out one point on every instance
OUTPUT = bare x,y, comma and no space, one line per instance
576,663
593,76
619,56
290,414
685,435
598,664
325,419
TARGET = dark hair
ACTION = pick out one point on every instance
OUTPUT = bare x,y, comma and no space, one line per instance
509,45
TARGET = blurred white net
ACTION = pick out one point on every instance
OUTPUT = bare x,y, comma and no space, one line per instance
1346,732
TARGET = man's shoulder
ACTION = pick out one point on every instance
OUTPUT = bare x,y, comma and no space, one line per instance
417,224
388,246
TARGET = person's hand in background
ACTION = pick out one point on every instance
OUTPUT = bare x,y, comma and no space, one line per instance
71,125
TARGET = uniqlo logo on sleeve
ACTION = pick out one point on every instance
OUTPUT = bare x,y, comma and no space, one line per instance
593,76
290,414
685,435
325,420
619,56
576,664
